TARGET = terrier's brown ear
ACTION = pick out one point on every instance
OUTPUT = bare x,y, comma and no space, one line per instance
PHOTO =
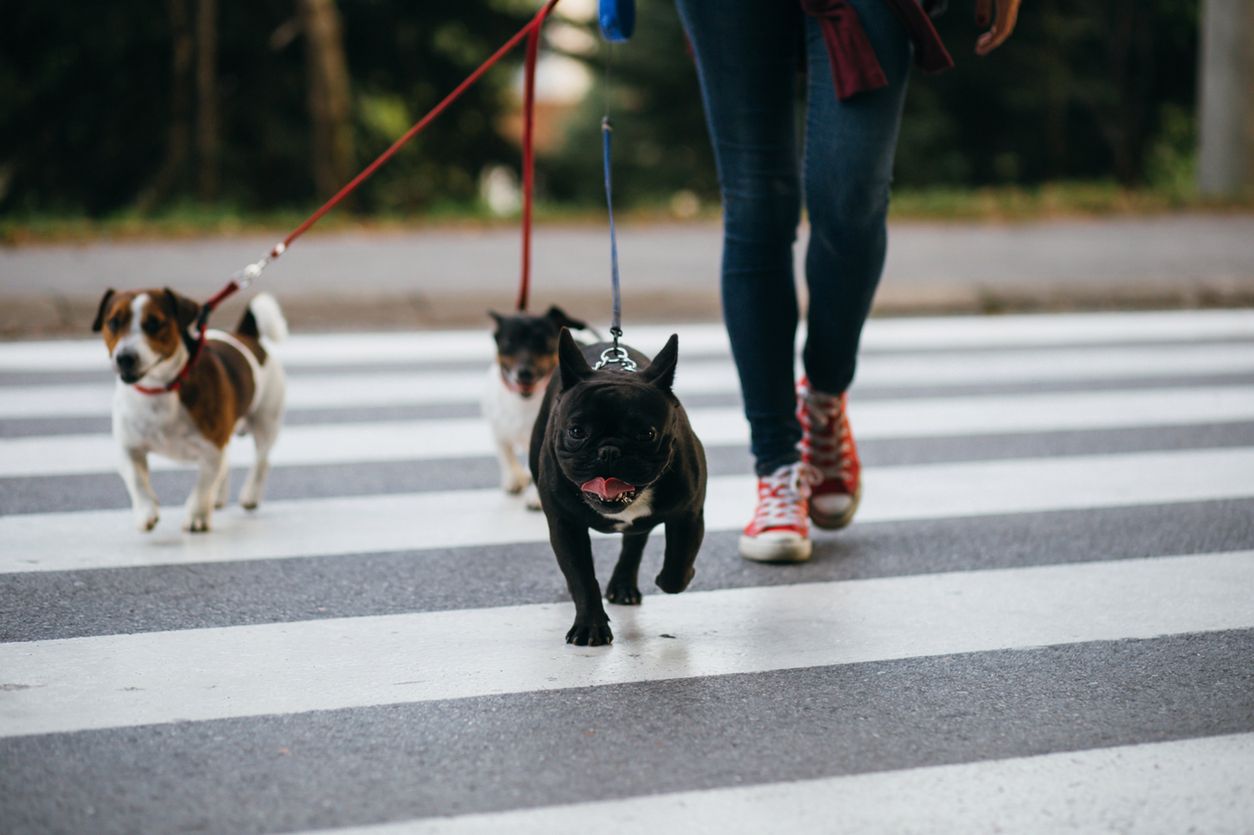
183,309
102,310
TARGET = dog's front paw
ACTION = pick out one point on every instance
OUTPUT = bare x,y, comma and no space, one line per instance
515,482
673,582
590,633
197,523
532,498
623,592
250,496
146,518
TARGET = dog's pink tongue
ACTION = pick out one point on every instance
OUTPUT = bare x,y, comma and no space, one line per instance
607,488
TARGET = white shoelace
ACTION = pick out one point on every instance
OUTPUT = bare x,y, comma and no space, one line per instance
782,496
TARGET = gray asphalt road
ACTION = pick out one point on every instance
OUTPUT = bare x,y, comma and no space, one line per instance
1071,581
450,276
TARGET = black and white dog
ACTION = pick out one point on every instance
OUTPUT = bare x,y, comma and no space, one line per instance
612,450
526,354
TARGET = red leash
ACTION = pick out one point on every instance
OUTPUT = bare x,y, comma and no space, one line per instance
528,153
249,274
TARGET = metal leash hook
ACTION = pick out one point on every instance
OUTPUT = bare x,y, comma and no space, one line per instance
243,278
616,355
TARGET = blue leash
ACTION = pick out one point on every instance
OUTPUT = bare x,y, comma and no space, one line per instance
616,309
618,20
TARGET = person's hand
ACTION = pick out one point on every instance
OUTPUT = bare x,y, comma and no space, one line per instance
1007,15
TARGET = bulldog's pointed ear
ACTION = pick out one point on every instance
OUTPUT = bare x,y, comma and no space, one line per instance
183,309
570,361
558,316
496,318
102,310
661,372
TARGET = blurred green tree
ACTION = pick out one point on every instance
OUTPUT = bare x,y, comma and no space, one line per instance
106,106
100,103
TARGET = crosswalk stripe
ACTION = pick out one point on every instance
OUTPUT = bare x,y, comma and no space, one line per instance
459,518
1159,787
705,377
420,440
881,334
201,674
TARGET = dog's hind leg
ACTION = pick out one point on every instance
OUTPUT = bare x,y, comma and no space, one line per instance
265,433
683,541
264,424
624,587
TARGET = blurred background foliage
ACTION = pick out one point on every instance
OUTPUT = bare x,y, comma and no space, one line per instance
101,105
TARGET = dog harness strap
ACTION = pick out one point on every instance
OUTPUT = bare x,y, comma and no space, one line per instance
194,347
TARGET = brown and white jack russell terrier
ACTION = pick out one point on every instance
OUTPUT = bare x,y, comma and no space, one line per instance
185,404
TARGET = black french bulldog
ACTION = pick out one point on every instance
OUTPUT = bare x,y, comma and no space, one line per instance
613,450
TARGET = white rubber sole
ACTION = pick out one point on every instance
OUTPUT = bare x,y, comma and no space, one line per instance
771,547
835,521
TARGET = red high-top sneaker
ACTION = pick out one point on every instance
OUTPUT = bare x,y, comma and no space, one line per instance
779,530
827,445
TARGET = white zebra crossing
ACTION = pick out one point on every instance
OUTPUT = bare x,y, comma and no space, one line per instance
464,518
286,669
923,333
361,390
1161,788
931,417
200,674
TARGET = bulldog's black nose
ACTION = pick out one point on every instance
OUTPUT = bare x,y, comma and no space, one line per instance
526,376
126,360
606,454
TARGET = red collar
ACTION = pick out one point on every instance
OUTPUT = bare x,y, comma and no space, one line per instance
177,382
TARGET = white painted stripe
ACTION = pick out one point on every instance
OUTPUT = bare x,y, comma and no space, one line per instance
415,521
881,334
706,377
425,440
201,674
1164,788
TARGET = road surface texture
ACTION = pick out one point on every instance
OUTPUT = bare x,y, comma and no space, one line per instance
1041,621
448,277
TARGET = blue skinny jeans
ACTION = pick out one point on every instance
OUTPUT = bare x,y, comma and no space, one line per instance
748,54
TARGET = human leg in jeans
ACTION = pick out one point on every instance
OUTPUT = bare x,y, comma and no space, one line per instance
747,54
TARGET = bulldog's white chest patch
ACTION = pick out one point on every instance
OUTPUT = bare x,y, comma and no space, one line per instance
641,507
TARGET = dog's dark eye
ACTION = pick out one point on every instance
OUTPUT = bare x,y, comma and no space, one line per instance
577,433
649,434
151,326
115,323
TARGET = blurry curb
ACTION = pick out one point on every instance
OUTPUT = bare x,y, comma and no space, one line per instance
30,317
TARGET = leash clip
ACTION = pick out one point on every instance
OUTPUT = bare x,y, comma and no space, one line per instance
616,355
252,272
